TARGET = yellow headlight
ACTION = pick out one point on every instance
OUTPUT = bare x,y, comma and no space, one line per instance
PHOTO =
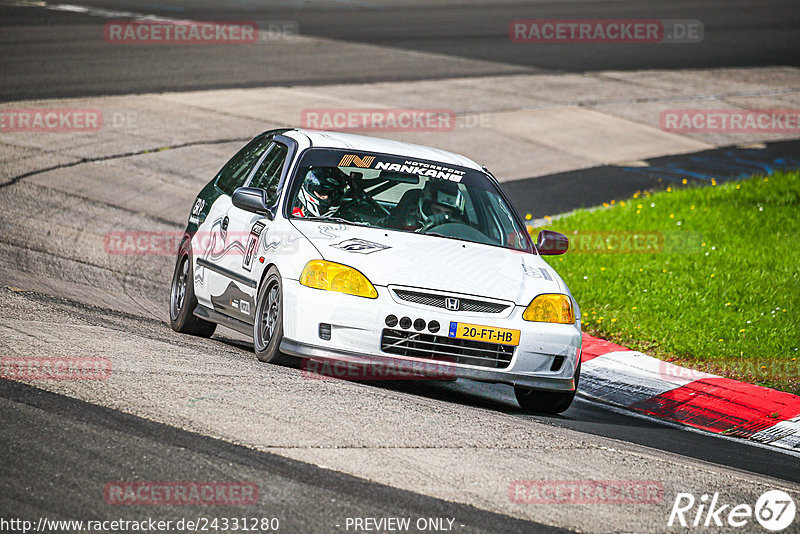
550,308
321,274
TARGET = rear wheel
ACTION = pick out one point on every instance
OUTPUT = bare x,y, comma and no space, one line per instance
182,300
550,402
268,325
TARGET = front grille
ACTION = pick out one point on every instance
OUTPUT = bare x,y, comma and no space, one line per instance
447,349
440,301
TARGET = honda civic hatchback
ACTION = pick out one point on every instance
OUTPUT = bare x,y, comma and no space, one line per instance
335,247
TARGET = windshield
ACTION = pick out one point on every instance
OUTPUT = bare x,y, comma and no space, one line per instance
401,194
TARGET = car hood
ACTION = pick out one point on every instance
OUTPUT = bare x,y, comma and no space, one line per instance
408,259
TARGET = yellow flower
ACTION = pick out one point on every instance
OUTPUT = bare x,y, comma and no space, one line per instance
737,186
765,179
663,270
602,268
742,330
727,304
612,201
528,216
671,215
633,308
638,211
713,182
703,245
640,270
548,218
605,204
621,202
684,181
712,276
639,206
691,207
721,340
669,190
614,320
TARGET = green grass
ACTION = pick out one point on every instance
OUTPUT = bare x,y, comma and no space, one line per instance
720,293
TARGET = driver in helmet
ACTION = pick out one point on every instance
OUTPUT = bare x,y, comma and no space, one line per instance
321,193
440,201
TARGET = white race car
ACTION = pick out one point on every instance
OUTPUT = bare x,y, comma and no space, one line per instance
334,247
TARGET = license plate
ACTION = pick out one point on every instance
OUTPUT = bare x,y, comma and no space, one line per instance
489,334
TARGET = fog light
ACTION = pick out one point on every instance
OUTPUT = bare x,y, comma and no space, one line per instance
325,331
391,321
405,322
419,324
433,326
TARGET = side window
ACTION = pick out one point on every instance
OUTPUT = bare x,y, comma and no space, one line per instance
235,172
269,172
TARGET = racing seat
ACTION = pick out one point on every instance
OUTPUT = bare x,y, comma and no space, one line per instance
404,214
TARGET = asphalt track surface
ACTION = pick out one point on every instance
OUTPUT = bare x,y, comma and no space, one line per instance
61,472
567,191
63,447
46,53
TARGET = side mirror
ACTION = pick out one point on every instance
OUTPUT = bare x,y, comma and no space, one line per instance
551,243
252,199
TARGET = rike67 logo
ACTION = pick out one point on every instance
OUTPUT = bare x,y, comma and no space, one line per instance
774,510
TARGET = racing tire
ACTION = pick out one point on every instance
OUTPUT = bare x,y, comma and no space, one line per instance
548,402
182,300
268,323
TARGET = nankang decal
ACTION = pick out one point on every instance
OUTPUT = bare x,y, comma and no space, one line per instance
360,246
352,159
420,168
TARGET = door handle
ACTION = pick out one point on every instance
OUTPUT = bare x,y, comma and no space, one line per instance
225,223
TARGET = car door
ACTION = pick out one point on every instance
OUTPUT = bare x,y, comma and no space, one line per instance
212,243
244,232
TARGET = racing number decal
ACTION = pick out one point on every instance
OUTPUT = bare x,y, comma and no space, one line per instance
197,210
252,246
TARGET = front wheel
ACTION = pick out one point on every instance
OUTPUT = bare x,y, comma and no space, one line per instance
268,325
549,402
182,300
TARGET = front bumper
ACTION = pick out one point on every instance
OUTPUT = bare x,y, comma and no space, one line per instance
357,324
